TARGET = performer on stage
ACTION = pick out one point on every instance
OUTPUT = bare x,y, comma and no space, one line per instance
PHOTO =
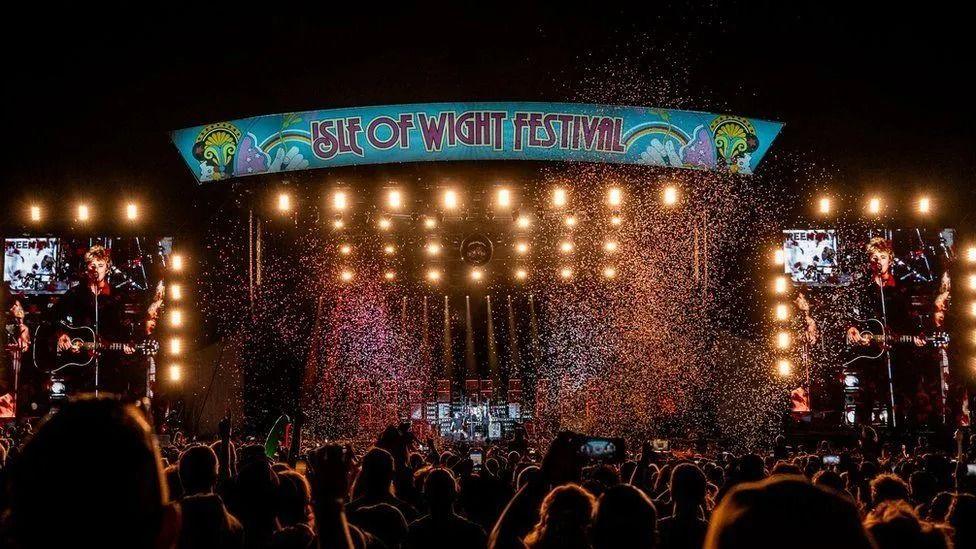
93,303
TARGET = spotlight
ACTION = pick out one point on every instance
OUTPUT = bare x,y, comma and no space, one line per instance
779,285
131,211
521,274
83,213
570,221
389,275
338,224
874,206
430,222
972,282
972,308
782,312
176,292
523,222
35,213
504,198
389,249
394,200
284,202
610,246
566,273
450,200
670,196
175,373
778,256
176,262
433,248
825,205
176,318
522,248
477,274
971,254
566,246
433,275
346,275
784,367
175,346
783,340
345,249
924,205
614,197
609,272
339,201
384,224
559,197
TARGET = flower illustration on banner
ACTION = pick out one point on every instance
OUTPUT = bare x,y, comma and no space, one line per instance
735,141
214,148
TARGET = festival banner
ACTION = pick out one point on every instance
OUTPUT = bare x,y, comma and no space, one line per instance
563,132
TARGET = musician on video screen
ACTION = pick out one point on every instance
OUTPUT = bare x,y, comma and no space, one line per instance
94,304
882,298
886,303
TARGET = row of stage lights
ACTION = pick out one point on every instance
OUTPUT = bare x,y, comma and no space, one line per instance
340,202
873,205
782,341
971,286
476,275
84,213
451,201
175,346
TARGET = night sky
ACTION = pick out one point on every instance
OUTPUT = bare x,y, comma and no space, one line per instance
875,99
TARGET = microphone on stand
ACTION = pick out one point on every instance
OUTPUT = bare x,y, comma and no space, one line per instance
126,279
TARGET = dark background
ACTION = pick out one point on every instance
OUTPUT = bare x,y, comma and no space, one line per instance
876,98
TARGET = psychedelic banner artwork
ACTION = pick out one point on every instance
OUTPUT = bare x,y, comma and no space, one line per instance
562,132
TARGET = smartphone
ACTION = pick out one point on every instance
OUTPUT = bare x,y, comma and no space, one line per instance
831,460
660,445
476,458
602,449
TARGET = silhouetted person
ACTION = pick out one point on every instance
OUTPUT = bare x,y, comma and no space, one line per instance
206,522
91,476
962,519
894,525
294,512
563,519
888,487
785,512
686,527
375,485
624,518
443,527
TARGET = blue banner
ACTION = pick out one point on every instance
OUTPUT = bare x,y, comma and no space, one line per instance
564,132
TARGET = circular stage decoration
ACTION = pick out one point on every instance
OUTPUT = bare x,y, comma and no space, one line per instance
476,249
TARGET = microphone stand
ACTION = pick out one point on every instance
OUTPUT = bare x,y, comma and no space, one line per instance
891,382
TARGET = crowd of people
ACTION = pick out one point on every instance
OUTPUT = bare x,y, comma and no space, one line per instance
93,475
